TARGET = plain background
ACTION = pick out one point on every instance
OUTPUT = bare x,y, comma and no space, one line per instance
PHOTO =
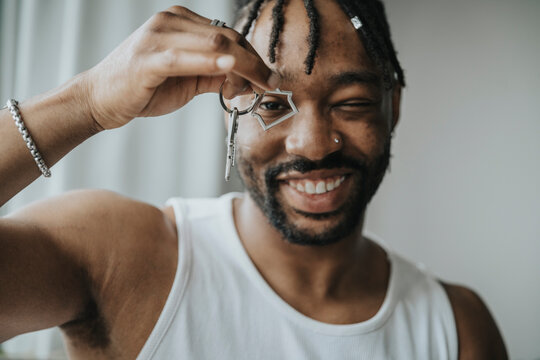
463,193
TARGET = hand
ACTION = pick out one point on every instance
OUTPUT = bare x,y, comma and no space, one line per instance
174,56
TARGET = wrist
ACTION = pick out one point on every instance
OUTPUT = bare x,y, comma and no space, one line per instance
60,119
81,93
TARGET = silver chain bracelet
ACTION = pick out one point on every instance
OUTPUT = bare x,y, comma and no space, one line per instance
13,108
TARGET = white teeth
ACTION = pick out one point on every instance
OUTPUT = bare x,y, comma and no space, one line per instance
338,181
321,187
310,188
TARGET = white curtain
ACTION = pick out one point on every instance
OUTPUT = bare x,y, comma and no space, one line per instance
45,42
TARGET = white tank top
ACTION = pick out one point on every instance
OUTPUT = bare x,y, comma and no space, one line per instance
220,307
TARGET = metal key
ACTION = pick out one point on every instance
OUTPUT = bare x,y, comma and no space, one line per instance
231,143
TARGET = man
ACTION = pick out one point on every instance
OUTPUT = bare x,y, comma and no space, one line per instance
282,271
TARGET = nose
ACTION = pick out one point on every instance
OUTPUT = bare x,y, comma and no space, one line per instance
312,135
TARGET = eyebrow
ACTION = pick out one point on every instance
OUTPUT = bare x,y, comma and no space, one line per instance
355,77
343,78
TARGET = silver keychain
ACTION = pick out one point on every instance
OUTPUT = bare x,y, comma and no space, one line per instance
267,125
233,130
233,122
231,143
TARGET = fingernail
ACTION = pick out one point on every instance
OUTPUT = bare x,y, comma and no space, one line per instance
273,81
225,62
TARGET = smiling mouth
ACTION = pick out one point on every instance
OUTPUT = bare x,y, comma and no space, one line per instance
316,193
319,186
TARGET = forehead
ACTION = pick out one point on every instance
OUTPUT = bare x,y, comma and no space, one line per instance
340,48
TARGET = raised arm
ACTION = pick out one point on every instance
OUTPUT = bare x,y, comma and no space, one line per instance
173,57
48,261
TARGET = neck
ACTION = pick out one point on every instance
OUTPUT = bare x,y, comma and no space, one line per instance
323,272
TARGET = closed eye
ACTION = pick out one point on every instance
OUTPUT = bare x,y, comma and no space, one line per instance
357,104
355,109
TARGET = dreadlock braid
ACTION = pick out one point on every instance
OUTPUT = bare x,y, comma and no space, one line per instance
374,32
373,42
387,38
368,38
253,14
313,37
279,20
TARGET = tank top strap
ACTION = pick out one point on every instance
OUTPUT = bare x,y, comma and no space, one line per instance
181,279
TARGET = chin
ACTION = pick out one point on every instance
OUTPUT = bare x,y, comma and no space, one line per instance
312,229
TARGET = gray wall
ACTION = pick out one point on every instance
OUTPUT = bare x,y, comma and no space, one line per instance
463,194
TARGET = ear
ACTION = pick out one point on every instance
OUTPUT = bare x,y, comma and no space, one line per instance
396,103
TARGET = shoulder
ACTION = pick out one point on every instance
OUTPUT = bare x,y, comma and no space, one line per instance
88,201
117,225
92,212
478,335
101,229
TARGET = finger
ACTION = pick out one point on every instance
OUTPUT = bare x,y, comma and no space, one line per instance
178,18
230,32
175,16
249,60
187,30
230,90
169,22
185,12
209,84
236,83
249,66
198,43
242,41
174,62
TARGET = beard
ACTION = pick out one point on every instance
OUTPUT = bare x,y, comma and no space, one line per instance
366,177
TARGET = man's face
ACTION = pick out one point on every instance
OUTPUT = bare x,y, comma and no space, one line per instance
313,189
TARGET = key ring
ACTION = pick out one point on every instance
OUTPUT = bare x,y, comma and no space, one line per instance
240,112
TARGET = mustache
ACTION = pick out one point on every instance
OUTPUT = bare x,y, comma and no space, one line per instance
302,165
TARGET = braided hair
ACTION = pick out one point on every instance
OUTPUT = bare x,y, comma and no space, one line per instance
373,30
